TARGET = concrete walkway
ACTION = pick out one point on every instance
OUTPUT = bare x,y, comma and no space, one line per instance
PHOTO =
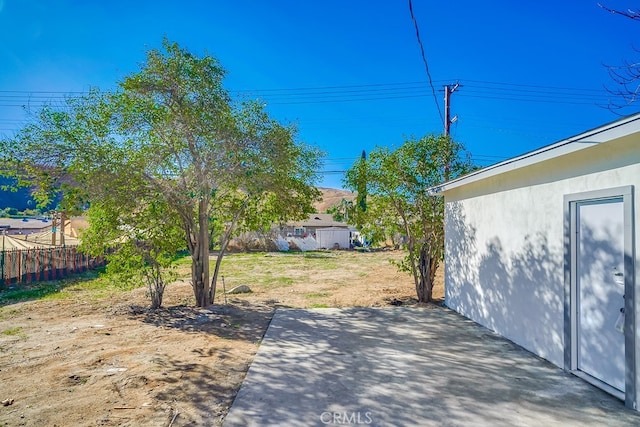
408,367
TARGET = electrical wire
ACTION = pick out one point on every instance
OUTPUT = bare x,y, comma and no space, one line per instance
530,85
483,159
331,87
352,93
372,92
548,101
380,98
424,59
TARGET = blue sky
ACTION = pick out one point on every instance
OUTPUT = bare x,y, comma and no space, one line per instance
349,73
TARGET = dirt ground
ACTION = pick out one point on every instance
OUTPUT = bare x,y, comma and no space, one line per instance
85,359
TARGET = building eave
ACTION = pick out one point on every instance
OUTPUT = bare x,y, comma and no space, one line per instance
614,130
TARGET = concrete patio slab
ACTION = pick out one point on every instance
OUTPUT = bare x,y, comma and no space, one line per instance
408,367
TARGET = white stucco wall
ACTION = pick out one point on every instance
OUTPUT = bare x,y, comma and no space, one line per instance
504,252
328,237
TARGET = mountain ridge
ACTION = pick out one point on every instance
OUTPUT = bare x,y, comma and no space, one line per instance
21,199
332,197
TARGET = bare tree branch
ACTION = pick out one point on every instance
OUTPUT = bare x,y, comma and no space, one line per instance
629,13
626,77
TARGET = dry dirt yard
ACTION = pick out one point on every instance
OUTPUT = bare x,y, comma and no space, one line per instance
92,354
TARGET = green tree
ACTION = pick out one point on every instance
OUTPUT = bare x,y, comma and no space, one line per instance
144,251
171,137
399,200
362,184
341,211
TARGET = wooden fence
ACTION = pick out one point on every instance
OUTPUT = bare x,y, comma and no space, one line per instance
41,264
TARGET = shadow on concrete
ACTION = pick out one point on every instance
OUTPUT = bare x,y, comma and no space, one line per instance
407,367
518,289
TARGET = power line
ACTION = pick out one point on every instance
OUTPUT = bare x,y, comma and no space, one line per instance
507,97
372,87
392,90
382,92
530,85
349,100
477,158
424,59
43,91
352,93
536,93
548,101
331,87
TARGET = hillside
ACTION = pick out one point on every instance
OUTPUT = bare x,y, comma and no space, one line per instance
20,199
332,197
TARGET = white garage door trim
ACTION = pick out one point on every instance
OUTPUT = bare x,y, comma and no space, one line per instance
571,203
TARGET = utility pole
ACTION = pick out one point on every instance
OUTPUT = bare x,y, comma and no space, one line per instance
448,90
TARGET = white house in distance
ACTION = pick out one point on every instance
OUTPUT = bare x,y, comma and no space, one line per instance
543,249
329,233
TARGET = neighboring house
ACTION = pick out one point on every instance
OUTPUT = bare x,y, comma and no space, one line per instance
24,226
36,232
333,238
542,249
310,226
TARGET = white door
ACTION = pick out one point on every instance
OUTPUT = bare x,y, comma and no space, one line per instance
600,290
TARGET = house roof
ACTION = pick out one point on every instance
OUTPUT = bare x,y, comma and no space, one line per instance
334,229
30,223
318,220
617,129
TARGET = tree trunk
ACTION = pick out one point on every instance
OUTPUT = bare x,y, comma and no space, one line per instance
200,258
156,300
197,274
152,273
216,271
226,238
426,266
156,287
223,248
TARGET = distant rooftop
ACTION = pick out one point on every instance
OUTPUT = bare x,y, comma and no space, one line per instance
318,220
25,223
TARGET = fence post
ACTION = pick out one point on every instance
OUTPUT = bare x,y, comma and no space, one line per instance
7,281
19,275
45,263
27,267
54,265
36,266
